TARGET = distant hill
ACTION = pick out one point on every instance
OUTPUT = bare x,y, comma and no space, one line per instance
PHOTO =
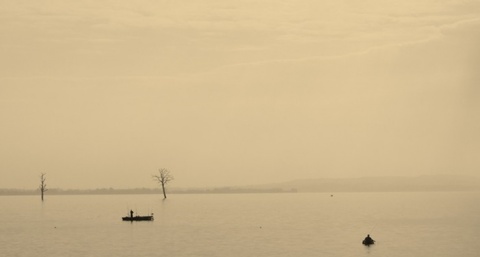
379,184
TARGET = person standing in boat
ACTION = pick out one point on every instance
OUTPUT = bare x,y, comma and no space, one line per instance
131,214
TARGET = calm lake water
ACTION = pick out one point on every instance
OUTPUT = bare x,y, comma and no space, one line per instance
403,224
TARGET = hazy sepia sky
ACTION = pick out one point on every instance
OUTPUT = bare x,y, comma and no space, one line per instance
221,92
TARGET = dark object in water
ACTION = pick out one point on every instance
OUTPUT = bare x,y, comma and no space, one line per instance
368,241
137,218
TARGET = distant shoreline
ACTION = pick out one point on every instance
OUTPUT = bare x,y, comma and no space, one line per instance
140,191
21,192
434,183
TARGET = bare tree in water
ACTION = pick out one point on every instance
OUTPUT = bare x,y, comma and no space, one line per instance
163,178
43,185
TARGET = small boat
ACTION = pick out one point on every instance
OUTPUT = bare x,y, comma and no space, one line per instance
137,217
368,241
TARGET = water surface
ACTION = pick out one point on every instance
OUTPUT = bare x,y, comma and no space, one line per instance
403,224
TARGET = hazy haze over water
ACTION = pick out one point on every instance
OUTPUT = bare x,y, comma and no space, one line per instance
102,93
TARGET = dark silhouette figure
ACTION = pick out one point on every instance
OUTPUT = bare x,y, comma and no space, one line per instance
131,214
368,241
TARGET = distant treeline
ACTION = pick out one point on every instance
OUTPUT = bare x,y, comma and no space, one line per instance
110,191
98,191
232,190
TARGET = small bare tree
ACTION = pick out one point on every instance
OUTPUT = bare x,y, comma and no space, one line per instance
43,185
163,178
